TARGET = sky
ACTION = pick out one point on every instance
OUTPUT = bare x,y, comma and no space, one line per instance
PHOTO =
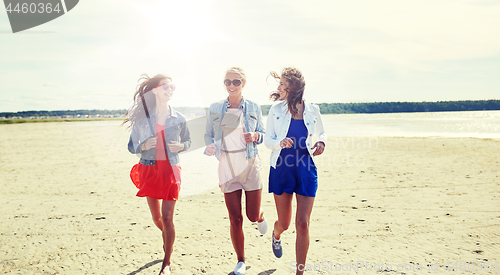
348,51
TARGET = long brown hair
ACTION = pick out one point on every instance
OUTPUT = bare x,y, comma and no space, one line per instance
295,90
136,112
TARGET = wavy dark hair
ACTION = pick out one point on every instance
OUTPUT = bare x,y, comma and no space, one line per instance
295,90
143,91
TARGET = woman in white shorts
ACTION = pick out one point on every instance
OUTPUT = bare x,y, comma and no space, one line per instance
234,128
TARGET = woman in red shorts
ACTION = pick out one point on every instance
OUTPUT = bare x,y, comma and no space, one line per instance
159,133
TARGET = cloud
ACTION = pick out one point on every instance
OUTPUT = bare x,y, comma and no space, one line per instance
347,50
50,85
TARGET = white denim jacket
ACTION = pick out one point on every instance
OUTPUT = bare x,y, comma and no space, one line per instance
278,122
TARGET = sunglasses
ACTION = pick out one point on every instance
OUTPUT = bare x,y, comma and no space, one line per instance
236,82
166,86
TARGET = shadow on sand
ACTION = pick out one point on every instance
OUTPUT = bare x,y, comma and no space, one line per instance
267,272
148,265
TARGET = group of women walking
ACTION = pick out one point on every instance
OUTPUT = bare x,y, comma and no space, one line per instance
234,128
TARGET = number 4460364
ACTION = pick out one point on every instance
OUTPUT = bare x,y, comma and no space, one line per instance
34,8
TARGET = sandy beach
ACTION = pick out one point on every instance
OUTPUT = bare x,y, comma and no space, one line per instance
69,207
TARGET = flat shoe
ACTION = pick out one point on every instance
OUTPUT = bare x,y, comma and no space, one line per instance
277,249
240,268
166,271
262,226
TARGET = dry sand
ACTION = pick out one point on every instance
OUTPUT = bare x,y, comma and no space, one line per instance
69,207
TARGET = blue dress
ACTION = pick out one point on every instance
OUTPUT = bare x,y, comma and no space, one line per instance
295,171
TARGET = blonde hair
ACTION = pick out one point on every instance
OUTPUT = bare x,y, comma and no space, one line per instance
239,71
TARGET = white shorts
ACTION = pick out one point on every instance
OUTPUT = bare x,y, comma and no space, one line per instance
249,179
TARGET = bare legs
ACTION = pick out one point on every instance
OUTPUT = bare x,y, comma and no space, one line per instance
284,208
253,212
168,231
304,208
233,204
164,220
155,208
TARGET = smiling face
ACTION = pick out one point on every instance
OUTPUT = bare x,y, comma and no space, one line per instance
283,85
234,90
161,93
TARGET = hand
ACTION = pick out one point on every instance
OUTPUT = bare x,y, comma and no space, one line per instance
175,147
210,150
320,148
149,144
250,137
286,143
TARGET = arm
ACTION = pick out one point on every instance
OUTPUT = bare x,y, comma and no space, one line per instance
185,137
256,135
134,146
209,130
209,136
320,130
260,127
131,147
271,140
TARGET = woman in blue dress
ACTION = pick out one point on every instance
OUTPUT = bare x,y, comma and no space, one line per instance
291,125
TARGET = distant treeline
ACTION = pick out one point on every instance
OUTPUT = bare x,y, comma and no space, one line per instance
404,107
189,111
60,113
326,108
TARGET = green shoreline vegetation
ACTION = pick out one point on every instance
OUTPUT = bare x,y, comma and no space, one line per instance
326,108
404,107
17,121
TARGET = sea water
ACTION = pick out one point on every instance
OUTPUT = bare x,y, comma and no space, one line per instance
478,124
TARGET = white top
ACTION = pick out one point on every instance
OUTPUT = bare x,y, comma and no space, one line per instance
234,163
278,122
